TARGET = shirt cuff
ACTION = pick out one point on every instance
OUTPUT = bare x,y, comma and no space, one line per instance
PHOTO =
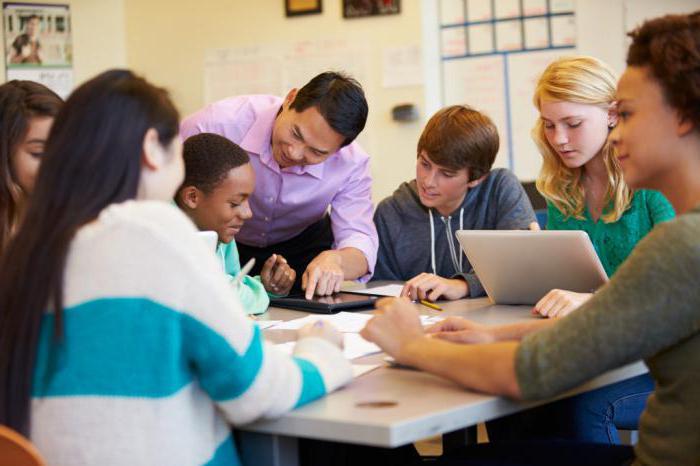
476,290
368,246
335,369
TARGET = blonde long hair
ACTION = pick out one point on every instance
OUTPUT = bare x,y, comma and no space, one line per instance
584,80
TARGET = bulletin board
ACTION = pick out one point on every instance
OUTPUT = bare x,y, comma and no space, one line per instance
492,53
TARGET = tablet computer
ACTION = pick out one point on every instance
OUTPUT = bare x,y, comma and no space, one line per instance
325,304
521,266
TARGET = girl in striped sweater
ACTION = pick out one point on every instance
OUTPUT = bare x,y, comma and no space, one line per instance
121,341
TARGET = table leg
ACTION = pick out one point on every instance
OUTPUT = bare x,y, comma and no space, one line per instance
268,450
457,439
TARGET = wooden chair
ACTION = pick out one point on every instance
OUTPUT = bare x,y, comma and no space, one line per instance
17,450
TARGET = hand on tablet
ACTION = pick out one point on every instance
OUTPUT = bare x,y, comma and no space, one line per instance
321,329
277,276
432,287
558,303
323,276
460,330
394,327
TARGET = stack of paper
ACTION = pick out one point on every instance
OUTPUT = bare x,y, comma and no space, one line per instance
346,322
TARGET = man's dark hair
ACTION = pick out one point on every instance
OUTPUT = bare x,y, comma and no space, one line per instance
208,160
340,100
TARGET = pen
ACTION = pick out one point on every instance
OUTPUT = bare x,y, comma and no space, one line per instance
244,271
430,305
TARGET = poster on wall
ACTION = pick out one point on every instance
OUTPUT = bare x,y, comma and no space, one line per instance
38,44
362,8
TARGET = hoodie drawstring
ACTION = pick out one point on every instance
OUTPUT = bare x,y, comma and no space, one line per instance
457,263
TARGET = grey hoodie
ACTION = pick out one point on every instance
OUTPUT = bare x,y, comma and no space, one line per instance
403,224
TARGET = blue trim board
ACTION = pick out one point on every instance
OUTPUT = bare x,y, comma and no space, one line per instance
501,20
507,52
509,128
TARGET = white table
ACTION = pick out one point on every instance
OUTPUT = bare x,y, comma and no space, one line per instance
391,407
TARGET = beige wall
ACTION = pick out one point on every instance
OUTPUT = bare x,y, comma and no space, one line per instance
98,37
166,41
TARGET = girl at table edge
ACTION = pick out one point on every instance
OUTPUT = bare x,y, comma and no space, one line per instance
144,343
649,310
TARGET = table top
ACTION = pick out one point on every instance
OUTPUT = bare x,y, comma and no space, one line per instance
390,407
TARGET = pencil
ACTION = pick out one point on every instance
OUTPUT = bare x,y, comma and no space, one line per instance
430,305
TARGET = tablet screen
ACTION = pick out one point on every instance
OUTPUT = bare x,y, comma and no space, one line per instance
332,303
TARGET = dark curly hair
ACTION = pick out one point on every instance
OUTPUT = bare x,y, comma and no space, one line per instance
670,47
208,159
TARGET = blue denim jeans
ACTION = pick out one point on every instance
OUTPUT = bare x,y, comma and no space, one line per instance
592,417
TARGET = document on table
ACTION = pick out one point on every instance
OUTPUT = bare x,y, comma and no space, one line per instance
263,324
386,290
346,322
360,369
355,346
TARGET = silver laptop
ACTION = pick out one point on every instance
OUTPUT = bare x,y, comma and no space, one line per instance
521,266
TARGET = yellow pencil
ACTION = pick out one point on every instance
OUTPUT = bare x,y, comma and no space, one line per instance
430,305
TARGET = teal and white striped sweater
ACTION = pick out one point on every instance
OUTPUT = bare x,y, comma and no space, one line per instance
157,357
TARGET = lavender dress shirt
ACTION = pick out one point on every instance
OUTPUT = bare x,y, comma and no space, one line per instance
286,201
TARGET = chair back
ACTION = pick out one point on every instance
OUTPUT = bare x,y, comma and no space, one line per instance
17,450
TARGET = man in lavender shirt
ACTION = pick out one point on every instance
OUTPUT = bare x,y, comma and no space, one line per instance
305,161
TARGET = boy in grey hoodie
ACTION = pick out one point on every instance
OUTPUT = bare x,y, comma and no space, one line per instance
455,189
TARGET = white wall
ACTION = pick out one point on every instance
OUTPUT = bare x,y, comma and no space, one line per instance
98,37
166,41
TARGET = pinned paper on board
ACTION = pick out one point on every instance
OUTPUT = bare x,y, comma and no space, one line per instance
454,42
498,41
479,10
480,38
38,44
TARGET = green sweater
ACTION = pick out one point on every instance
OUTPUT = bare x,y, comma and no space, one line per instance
649,310
614,241
252,293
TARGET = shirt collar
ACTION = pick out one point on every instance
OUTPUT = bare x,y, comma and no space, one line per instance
258,141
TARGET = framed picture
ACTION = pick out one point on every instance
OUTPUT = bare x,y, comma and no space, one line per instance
38,44
362,8
302,7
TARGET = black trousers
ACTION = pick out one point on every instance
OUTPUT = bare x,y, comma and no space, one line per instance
298,251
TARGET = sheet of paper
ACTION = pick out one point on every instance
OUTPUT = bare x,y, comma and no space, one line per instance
480,38
507,9
563,30
534,7
454,41
355,346
479,10
346,322
402,66
263,324
508,35
536,33
386,290
360,369
562,6
451,11
430,320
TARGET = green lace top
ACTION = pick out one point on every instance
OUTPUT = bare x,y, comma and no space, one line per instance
614,241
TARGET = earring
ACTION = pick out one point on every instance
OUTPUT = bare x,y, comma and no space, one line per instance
611,124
